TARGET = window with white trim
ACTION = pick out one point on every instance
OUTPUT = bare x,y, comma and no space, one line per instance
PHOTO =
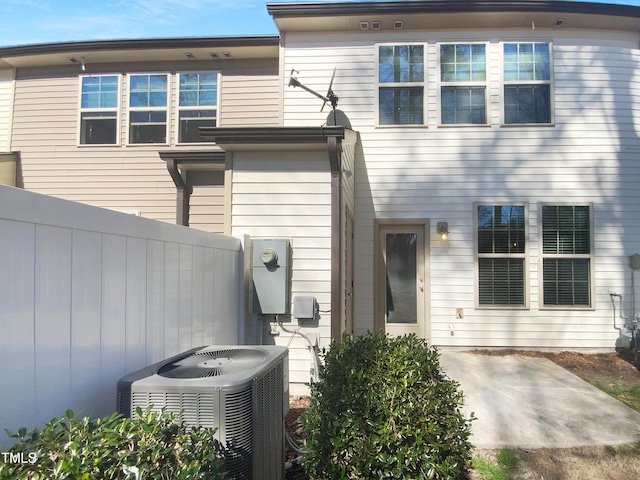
527,83
99,109
463,83
501,250
197,104
567,255
148,108
401,84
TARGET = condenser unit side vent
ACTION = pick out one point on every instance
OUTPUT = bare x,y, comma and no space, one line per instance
246,400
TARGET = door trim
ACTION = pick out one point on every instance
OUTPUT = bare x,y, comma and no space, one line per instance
379,281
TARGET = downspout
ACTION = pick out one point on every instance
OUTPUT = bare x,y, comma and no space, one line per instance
336,197
183,193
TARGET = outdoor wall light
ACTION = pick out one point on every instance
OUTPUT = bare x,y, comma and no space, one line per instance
443,230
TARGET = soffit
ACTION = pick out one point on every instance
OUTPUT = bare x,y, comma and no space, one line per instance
123,51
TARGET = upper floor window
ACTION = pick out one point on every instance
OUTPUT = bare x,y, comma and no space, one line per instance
463,77
501,249
198,104
99,109
527,83
567,255
401,84
148,96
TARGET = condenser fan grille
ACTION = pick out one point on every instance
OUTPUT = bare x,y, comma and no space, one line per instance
212,363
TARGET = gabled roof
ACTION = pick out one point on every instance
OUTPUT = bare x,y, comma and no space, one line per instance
459,14
157,49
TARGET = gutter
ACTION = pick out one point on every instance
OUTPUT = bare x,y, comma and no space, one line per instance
321,9
141,44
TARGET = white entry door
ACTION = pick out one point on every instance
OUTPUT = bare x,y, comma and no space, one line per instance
401,280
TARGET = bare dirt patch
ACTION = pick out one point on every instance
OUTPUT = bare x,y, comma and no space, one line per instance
604,368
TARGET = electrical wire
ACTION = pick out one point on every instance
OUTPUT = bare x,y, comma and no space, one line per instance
294,446
315,361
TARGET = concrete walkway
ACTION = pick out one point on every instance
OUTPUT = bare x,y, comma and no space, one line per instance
533,403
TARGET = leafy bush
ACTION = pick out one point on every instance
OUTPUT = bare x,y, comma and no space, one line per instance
384,409
149,446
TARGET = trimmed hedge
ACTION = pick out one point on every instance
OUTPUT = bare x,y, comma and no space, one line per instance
384,409
149,446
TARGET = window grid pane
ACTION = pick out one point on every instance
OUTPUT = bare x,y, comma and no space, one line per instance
566,282
501,247
99,92
401,106
463,105
148,100
566,229
527,104
401,64
566,248
98,105
198,89
527,77
148,91
501,281
525,62
462,64
401,79
198,99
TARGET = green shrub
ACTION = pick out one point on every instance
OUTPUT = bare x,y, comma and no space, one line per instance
149,446
384,409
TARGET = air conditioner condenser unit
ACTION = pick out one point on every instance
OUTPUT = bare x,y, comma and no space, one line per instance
243,391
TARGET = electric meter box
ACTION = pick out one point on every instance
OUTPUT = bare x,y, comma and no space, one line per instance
635,262
271,266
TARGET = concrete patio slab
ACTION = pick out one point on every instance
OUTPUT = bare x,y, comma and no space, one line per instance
533,403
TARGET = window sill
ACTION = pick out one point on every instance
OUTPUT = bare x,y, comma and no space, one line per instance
98,145
568,308
464,125
402,125
501,307
135,145
527,125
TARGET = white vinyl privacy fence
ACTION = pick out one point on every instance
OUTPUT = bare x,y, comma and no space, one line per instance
88,295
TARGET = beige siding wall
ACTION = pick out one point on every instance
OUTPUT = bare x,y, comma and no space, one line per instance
6,104
123,177
437,173
207,201
251,94
288,195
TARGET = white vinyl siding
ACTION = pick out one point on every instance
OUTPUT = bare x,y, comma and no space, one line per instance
588,155
288,195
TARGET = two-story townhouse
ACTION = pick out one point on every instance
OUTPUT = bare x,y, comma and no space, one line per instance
496,187
477,185
88,119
